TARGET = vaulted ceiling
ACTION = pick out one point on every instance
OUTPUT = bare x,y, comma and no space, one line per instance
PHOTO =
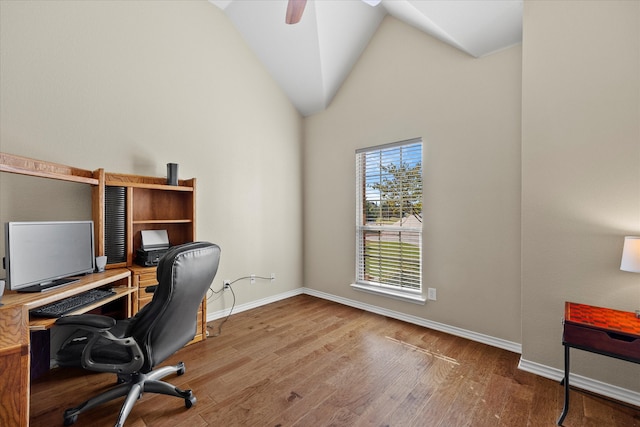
311,59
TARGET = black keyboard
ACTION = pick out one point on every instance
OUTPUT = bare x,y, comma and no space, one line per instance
67,305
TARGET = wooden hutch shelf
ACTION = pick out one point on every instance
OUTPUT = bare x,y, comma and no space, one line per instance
25,166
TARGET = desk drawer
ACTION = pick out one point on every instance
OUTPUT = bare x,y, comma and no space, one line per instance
147,279
143,278
143,299
618,345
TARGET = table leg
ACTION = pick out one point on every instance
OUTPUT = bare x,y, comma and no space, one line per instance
565,409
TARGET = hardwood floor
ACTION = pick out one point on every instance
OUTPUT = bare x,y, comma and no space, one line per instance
305,361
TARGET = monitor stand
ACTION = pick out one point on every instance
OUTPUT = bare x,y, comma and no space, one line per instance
49,285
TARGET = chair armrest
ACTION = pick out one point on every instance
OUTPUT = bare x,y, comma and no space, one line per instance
132,365
101,328
91,322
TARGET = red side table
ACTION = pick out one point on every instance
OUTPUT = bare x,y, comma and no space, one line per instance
598,330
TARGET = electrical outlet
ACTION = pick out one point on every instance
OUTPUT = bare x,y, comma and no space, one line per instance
226,284
253,279
431,294
273,276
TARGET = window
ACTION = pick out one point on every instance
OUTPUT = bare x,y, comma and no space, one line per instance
389,219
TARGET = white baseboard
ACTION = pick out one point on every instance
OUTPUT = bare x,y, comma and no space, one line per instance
253,304
452,330
594,386
584,383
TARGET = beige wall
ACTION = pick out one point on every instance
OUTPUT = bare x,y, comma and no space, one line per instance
580,171
131,86
467,111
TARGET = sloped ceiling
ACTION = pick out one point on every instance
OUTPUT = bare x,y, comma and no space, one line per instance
311,59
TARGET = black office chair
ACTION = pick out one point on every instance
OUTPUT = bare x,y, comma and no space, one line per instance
160,329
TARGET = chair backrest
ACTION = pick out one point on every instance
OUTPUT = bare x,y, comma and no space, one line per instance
169,321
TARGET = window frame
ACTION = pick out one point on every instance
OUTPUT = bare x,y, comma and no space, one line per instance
403,289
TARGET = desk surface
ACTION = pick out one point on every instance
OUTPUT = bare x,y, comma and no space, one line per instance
90,281
85,283
605,319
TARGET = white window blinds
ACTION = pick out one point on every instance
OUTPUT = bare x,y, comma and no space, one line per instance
389,216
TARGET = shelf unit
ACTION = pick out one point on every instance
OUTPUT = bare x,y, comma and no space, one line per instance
153,205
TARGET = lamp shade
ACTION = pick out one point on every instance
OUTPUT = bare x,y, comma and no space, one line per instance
631,254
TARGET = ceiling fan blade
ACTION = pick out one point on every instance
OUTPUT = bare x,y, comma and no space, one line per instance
294,11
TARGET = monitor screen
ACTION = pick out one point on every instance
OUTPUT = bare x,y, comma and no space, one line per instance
39,253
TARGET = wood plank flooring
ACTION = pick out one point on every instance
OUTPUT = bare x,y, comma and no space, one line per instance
305,361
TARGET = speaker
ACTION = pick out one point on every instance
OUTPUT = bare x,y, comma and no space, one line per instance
172,173
115,229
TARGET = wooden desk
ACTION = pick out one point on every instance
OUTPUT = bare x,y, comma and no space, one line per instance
15,341
598,330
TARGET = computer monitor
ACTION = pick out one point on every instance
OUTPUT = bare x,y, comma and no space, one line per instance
45,255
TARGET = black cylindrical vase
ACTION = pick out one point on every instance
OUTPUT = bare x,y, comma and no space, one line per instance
172,173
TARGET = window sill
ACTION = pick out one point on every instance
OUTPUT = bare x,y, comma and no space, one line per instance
390,293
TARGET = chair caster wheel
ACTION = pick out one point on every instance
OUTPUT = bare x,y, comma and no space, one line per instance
70,416
70,420
188,403
181,369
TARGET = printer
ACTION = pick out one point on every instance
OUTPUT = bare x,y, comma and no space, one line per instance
155,243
